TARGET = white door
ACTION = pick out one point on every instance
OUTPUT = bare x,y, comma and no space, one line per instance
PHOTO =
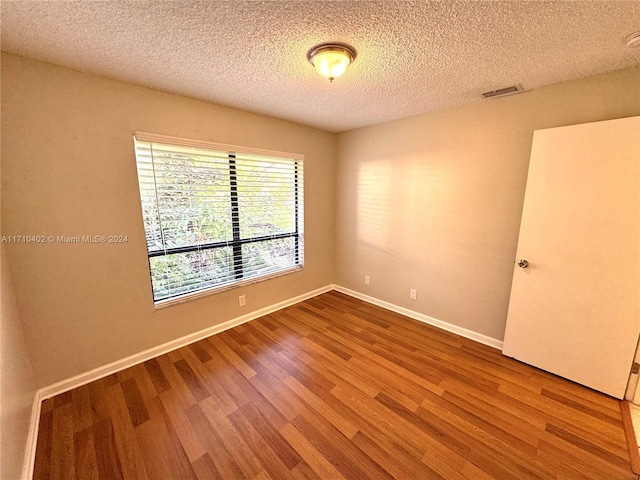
575,309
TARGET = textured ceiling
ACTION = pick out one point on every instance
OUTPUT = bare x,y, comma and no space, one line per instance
413,57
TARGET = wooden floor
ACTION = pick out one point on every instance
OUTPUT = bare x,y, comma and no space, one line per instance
332,388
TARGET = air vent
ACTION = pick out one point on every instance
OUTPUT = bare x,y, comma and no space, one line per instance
503,91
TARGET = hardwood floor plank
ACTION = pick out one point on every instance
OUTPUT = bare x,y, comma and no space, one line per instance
570,390
107,457
82,415
174,356
275,331
365,321
62,442
351,462
99,407
223,374
496,456
246,459
232,357
269,460
127,447
174,409
494,357
309,377
339,421
289,323
323,467
569,459
588,446
135,405
490,401
469,363
179,389
206,470
260,335
62,399
457,450
512,431
373,413
217,453
47,405
206,374
411,392
200,351
161,449
344,372
125,374
472,472
197,388
332,388
306,317
397,461
611,444
548,408
258,399
339,349
271,435
303,471
278,394
160,382
265,364
423,374
143,380
86,463
605,415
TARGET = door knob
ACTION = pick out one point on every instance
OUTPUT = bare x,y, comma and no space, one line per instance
522,263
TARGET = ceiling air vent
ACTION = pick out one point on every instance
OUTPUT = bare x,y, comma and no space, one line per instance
501,92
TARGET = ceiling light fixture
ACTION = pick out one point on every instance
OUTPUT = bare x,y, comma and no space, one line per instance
331,59
633,40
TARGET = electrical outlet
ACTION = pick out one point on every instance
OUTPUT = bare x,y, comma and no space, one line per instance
413,294
367,280
242,301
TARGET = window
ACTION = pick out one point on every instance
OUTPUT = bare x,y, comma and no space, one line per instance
217,216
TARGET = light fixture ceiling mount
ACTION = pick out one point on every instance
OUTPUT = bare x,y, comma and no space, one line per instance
633,40
331,59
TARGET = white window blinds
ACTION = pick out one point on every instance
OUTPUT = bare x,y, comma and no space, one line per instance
215,216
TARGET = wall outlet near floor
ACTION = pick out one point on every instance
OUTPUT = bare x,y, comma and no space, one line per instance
413,294
367,280
242,301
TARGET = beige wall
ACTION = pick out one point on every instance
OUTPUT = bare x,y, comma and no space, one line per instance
17,385
433,202
69,169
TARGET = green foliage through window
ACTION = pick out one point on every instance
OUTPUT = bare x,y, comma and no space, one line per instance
213,218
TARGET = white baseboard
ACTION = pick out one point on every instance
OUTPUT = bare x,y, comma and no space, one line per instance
32,438
463,332
118,365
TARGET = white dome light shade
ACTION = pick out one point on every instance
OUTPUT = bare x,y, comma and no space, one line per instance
331,60
633,40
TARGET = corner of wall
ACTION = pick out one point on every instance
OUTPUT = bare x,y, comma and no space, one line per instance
19,404
334,197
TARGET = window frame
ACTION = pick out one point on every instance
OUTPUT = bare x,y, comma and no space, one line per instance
236,243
